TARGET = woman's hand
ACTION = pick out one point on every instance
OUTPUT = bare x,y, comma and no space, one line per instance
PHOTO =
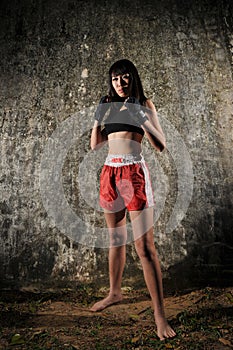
101,109
135,110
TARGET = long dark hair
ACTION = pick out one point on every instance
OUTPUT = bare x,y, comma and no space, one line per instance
121,67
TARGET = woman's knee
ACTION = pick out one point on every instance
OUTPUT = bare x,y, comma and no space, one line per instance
117,238
145,249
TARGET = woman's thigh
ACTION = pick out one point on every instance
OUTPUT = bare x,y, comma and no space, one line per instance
116,223
142,222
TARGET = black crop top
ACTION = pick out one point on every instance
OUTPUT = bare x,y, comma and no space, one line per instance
121,121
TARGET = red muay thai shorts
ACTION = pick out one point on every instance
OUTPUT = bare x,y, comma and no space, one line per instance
125,183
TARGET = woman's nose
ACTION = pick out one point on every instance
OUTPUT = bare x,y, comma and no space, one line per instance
121,82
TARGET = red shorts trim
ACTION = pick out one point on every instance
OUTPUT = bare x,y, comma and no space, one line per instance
125,186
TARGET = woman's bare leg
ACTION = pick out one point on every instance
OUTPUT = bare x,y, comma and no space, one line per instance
142,223
116,223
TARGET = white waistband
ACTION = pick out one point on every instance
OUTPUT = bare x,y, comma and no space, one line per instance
123,159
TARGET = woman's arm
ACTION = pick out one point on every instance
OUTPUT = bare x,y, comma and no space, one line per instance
153,129
98,136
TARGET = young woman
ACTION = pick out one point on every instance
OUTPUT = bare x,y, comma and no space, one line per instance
125,183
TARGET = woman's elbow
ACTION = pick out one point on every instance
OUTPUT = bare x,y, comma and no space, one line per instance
93,146
159,145
96,145
163,146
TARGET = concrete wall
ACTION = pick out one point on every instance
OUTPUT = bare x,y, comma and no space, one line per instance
54,60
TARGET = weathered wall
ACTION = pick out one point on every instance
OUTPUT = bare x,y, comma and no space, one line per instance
54,60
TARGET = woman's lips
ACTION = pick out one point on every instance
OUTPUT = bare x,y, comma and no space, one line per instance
122,91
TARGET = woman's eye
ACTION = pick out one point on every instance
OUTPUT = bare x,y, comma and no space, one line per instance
125,76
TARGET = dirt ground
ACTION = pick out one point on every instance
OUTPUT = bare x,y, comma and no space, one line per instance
203,319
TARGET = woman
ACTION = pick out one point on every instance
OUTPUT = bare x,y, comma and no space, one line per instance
125,185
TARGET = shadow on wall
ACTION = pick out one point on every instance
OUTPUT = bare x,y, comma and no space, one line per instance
210,261
33,264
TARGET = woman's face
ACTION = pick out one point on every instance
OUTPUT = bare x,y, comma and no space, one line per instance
120,84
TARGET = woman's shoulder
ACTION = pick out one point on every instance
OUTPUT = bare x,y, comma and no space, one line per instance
149,104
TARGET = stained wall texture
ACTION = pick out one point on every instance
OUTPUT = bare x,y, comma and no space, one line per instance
54,61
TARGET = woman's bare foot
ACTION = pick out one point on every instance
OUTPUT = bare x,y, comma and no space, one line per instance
109,300
164,330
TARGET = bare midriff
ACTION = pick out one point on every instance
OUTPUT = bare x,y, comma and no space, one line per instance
124,142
